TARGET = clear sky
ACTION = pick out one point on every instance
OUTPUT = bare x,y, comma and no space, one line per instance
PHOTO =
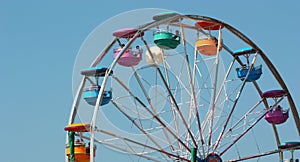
39,41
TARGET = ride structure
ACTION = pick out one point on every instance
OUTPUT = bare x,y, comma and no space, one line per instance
190,98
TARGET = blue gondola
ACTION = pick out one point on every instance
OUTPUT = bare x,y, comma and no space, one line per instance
243,51
95,71
254,74
90,95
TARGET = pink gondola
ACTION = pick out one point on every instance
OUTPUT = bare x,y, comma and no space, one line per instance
277,116
130,57
127,33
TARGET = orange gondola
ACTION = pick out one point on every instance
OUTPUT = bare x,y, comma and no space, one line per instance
208,46
81,152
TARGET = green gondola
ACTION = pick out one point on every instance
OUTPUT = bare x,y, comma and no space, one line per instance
166,40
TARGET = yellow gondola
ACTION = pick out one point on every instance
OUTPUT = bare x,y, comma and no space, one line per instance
78,127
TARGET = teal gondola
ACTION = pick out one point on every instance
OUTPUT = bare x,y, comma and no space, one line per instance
289,145
166,40
90,95
254,74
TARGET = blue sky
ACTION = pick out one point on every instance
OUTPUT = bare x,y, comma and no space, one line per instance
39,41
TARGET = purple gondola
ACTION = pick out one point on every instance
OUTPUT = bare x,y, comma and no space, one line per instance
273,94
277,115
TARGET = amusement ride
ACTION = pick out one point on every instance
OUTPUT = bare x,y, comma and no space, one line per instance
182,88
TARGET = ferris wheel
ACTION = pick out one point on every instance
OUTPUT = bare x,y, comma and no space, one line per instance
182,88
